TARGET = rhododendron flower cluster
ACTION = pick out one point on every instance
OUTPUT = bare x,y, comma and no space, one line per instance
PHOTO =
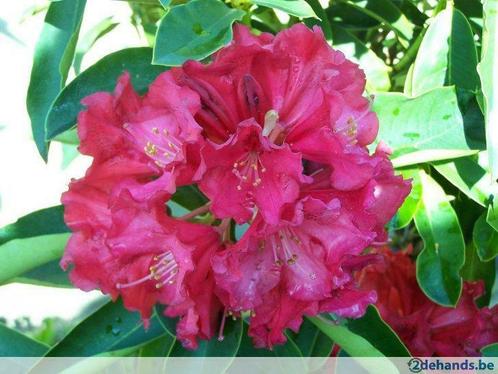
428,329
273,132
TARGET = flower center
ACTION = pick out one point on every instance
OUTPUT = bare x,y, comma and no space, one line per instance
163,271
349,130
285,244
248,169
161,145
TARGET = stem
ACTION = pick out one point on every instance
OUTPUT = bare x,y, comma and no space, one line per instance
201,210
411,53
224,229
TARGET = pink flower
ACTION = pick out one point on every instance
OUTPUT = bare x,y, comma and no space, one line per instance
274,132
146,257
142,144
302,266
427,328
268,103
124,243
249,171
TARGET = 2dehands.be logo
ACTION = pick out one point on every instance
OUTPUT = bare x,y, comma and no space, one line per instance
416,365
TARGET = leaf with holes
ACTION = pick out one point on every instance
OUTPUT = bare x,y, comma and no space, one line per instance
425,128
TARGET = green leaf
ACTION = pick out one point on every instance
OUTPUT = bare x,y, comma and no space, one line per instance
490,350
311,341
447,55
32,241
42,222
194,31
353,344
228,347
189,197
425,128
493,299
470,175
68,137
321,20
49,274
387,13
410,206
298,8
159,347
376,71
22,255
90,38
488,74
475,269
485,239
15,344
54,54
101,76
443,255
165,3
247,349
373,328
167,323
110,328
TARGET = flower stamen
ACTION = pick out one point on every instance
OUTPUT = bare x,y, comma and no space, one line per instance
163,271
249,170
285,243
161,146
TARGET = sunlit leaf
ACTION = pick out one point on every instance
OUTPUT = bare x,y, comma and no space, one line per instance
376,71
425,128
485,239
298,8
439,263
453,57
193,31
489,81
470,175
354,344
409,208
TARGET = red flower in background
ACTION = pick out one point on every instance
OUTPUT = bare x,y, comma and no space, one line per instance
427,328
274,131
